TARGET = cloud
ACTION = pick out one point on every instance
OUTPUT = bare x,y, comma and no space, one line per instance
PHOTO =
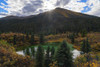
74,5
95,9
62,2
93,6
3,14
31,7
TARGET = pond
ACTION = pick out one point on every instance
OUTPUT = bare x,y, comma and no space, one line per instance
55,45
75,52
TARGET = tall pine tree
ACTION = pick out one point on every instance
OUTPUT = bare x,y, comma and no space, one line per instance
47,57
88,47
14,39
23,38
41,38
27,36
27,51
72,38
85,47
64,56
39,57
32,39
52,54
32,52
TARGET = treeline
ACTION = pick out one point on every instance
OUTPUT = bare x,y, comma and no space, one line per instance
29,38
20,41
46,26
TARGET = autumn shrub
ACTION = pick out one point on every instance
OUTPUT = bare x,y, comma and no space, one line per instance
87,60
9,57
54,64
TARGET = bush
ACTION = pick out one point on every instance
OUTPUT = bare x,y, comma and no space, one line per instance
9,58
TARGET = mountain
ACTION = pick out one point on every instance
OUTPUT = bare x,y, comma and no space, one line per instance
58,20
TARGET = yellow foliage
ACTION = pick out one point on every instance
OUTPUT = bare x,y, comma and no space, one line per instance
81,61
54,64
9,58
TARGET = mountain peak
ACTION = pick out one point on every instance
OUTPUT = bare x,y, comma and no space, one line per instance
57,20
58,8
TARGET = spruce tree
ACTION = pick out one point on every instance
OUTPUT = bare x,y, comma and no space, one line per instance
72,38
14,39
39,57
32,51
52,52
88,47
41,39
32,39
27,51
47,57
83,32
23,39
27,36
64,56
83,46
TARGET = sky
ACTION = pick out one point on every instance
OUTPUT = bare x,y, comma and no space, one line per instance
33,7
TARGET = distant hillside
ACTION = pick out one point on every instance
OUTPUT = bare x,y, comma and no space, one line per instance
56,21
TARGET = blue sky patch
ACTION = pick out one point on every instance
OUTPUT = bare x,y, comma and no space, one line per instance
2,1
82,1
86,9
1,9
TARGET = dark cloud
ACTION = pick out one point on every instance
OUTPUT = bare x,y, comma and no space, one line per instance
36,6
32,7
3,14
62,2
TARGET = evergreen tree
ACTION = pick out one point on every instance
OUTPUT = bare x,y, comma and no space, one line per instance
72,38
27,52
64,56
32,39
39,57
23,39
83,33
41,39
0,36
52,52
14,39
27,36
88,47
47,57
83,46
32,52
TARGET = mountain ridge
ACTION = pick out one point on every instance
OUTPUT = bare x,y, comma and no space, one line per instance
56,21
56,9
